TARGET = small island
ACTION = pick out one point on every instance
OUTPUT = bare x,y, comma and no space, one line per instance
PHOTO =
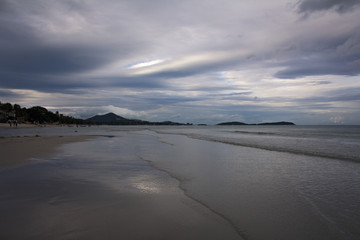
269,123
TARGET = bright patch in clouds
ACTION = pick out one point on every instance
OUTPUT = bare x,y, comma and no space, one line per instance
146,64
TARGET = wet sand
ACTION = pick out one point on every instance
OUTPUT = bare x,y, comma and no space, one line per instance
96,189
19,150
20,125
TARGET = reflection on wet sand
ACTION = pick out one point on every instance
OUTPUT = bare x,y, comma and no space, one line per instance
99,189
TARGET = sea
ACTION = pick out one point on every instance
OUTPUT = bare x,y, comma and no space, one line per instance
266,182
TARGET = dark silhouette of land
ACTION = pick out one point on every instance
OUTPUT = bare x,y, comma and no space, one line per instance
113,119
241,123
41,115
36,114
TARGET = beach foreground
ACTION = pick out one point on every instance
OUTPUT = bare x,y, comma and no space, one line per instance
83,192
21,150
131,182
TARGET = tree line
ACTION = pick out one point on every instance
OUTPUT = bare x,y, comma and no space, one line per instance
35,114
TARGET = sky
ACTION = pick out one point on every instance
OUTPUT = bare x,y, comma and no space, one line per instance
204,61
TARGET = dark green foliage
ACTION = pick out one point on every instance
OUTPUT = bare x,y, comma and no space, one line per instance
35,114
70,120
7,107
39,114
20,112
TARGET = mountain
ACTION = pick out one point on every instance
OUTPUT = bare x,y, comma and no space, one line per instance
113,119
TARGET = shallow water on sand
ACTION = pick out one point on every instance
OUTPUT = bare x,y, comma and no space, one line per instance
100,189
258,182
265,194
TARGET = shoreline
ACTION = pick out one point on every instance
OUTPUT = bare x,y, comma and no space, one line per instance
30,125
185,191
16,151
84,198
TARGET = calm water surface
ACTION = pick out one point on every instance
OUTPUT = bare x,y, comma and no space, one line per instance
268,182
292,182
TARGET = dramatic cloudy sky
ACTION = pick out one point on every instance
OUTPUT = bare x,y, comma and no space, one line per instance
203,61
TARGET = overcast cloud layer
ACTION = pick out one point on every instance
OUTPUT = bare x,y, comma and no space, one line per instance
186,61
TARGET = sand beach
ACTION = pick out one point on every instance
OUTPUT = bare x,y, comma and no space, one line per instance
86,187
21,150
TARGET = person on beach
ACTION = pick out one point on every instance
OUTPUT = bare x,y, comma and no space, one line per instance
10,122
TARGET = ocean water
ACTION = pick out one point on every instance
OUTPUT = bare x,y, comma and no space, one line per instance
288,182
266,182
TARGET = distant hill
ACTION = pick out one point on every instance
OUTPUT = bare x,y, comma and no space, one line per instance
113,119
277,123
232,123
241,123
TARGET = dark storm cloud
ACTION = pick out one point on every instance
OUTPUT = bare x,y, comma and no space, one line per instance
241,96
52,59
7,93
338,95
337,52
321,82
341,6
24,51
338,56
343,95
29,62
166,100
318,66
39,82
69,84
128,82
31,58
